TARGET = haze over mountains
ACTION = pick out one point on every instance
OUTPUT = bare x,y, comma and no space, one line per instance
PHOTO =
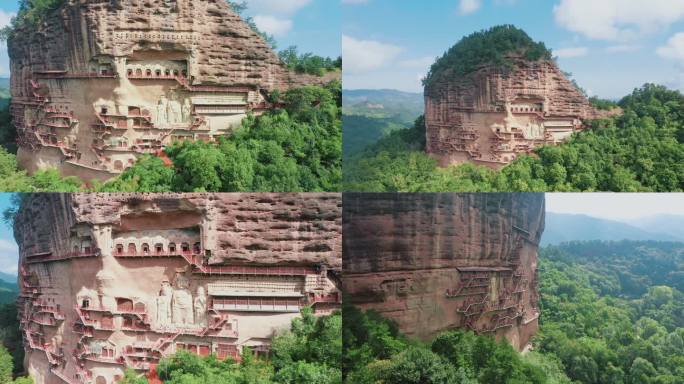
562,227
8,278
383,103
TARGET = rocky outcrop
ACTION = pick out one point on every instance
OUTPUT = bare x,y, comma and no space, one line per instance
493,114
434,262
116,281
99,83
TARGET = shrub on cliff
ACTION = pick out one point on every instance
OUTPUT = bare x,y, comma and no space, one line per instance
31,13
493,46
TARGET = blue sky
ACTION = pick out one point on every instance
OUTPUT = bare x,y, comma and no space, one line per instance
610,46
311,25
9,252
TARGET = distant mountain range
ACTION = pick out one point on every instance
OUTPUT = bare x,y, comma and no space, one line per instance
672,225
566,227
8,278
383,103
8,292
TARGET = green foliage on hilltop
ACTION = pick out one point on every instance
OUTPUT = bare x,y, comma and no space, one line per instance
607,317
310,352
376,352
603,104
640,151
308,62
31,13
493,46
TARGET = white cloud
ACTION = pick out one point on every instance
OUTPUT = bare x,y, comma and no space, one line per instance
565,53
276,7
366,55
11,269
5,18
617,20
674,49
275,16
10,252
420,63
7,246
469,6
273,25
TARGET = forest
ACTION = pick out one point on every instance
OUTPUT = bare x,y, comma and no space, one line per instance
639,151
611,313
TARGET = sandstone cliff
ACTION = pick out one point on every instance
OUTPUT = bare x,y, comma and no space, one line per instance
494,113
434,262
99,83
116,281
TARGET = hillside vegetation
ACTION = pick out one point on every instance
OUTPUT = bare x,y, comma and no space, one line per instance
376,352
640,151
613,313
494,46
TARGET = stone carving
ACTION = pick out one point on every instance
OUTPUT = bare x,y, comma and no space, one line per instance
201,306
187,111
193,47
182,302
490,116
149,298
162,109
174,112
105,286
164,304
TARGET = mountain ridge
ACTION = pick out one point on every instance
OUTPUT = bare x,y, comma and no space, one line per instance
562,227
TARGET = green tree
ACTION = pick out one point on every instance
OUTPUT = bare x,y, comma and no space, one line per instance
419,366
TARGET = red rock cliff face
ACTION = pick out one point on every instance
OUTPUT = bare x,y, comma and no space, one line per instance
100,83
111,282
434,262
493,114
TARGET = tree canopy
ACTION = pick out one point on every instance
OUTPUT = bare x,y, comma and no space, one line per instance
611,311
376,352
493,46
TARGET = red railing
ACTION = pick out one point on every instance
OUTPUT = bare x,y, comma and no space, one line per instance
195,258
